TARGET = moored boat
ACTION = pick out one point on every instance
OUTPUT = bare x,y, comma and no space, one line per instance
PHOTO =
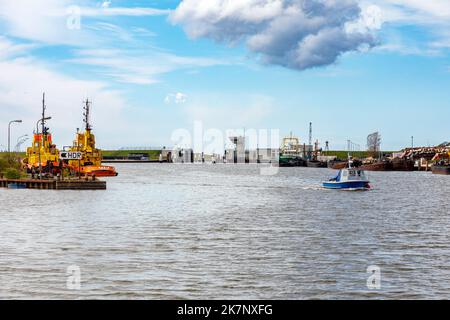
291,161
340,164
441,169
377,166
91,162
316,164
43,156
337,164
442,165
290,153
403,165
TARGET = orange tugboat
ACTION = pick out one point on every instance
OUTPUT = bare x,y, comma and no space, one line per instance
43,156
91,161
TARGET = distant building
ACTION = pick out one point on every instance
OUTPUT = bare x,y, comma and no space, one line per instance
183,156
166,155
237,155
326,158
207,158
264,155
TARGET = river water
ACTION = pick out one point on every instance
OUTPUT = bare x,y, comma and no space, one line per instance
228,232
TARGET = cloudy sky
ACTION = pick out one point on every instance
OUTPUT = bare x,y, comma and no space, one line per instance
150,67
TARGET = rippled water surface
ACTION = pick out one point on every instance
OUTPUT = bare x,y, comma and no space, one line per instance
226,231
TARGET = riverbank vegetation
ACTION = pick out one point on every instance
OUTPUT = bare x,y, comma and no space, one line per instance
10,167
153,154
355,154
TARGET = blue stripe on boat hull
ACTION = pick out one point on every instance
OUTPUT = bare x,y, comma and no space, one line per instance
347,185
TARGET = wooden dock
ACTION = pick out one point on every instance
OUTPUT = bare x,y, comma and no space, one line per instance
53,184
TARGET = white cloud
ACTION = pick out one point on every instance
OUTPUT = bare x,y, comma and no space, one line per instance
215,110
177,98
46,21
436,8
122,11
9,49
138,66
21,86
412,11
371,19
43,21
433,17
298,34
305,33
106,4
138,62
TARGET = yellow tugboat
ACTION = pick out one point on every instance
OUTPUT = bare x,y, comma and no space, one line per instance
91,161
43,156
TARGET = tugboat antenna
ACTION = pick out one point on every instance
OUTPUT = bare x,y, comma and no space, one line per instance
43,114
86,114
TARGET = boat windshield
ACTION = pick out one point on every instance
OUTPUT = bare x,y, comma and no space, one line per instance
356,175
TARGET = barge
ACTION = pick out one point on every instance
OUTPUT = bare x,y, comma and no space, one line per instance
441,169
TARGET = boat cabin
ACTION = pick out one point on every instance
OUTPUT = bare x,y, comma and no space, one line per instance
350,175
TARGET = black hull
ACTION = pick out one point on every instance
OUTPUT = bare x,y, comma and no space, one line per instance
377,166
403,165
292,162
443,170
316,164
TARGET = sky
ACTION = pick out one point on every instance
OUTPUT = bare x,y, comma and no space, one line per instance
154,69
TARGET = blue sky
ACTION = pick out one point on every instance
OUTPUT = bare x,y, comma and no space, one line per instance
152,67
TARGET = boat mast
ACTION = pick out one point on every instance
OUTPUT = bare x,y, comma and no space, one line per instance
86,114
43,114
310,141
349,156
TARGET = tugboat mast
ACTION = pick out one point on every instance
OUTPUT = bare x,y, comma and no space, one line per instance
86,114
43,114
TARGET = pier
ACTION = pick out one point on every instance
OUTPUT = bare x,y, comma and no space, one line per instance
53,184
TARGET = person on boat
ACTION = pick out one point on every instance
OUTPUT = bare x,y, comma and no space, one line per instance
335,178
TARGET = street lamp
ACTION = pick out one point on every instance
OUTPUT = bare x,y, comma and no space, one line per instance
21,140
41,120
9,133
